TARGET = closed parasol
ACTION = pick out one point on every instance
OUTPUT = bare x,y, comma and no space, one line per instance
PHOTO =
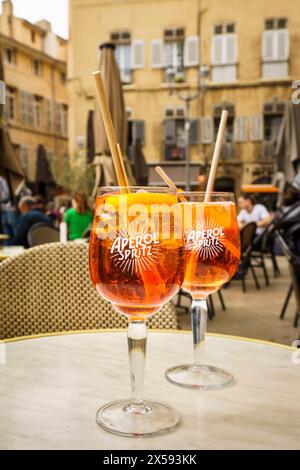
288,143
105,174
44,180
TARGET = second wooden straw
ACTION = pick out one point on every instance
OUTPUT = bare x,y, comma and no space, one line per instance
216,156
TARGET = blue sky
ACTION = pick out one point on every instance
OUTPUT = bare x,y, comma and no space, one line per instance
55,11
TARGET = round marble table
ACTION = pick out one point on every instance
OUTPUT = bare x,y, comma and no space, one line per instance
51,387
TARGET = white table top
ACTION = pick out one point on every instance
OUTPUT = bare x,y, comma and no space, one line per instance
51,387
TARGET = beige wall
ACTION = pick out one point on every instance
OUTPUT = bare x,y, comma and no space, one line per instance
16,34
92,21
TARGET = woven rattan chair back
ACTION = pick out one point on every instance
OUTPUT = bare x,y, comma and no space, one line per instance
47,289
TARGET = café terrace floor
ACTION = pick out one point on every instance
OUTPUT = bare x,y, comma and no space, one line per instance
254,314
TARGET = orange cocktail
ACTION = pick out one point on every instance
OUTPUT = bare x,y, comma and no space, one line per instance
136,263
136,269
212,247
212,254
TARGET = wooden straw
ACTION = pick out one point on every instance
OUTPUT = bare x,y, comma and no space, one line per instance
216,155
125,178
169,182
111,136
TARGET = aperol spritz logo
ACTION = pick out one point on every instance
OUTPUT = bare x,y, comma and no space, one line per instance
206,238
135,249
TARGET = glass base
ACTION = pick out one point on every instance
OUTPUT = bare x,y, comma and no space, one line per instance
122,418
199,377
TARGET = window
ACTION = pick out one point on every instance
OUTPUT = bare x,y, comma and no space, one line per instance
36,111
33,36
275,49
123,58
224,53
58,118
27,111
174,51
276,23
174,136
10,56
10,103
174,139
61,115
224,28
175,112
122,41
65,119
37,67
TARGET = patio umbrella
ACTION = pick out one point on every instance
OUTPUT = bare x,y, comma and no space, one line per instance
10,166
44,180
105,174
288,144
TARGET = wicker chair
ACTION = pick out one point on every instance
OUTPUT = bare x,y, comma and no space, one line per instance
47,289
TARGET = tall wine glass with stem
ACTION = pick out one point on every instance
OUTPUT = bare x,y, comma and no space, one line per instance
137,263
212,254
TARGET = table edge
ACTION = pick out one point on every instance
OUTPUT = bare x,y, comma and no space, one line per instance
152,330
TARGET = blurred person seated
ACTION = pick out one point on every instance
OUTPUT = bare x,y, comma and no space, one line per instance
40,203
252,212
79,217
32,212
53,214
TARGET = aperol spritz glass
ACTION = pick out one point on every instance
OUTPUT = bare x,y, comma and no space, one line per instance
212,254
137,263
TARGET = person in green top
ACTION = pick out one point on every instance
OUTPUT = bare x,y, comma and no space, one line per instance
79,217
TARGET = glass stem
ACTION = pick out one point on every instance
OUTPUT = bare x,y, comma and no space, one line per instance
199,320
137,340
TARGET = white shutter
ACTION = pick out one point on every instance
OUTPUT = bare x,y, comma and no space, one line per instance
30,109
282,44
257,131
157,54
191,51
240,129
275,69
217,49
137,54
230,48
207,130
268,45
2,92
23,106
